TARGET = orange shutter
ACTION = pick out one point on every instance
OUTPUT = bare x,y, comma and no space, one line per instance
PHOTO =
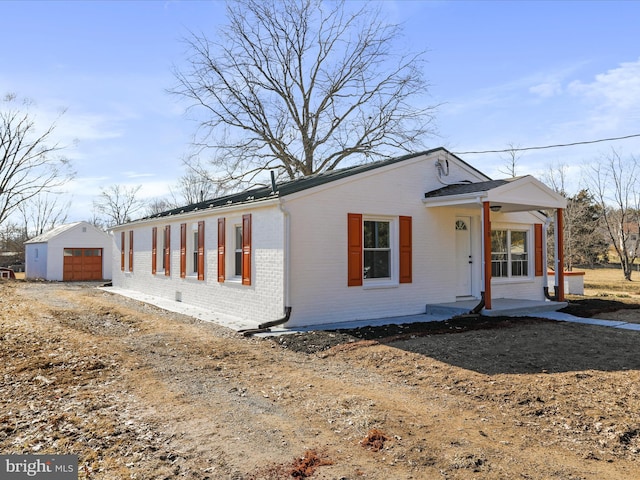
131,250
183,250
221,237
167,250
354,253
537,230
201,250
154,249
405,241
122,247
246,249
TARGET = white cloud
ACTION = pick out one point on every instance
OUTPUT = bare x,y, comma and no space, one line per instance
616,88
613,99
547,89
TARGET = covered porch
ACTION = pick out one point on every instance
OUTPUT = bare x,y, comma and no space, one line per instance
497,199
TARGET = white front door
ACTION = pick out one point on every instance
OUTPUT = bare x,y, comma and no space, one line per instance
463,256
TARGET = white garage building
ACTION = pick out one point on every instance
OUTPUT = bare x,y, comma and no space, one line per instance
72,252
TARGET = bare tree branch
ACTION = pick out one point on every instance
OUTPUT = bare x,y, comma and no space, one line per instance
302,85
118,204
614,184
29,163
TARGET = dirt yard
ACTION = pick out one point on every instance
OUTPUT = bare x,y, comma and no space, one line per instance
140,393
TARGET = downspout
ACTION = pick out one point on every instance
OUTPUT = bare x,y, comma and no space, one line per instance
265,327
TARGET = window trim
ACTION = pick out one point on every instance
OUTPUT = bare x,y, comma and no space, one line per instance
390,249
530,252
401,260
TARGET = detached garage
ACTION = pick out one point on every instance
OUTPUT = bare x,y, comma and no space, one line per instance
72,252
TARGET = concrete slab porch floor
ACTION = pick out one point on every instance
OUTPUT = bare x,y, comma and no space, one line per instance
500,306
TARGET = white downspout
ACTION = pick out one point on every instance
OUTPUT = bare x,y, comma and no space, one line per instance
286,255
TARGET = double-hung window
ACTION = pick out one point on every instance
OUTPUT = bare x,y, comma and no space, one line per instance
509,253
379,251
237,259
376,249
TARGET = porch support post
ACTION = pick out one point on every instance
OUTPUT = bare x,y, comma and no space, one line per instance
486,242
559,241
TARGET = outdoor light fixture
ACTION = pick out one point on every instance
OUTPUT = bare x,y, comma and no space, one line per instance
495,208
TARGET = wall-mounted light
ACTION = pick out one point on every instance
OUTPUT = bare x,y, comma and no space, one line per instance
495,208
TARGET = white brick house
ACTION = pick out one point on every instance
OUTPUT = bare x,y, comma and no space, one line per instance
371,241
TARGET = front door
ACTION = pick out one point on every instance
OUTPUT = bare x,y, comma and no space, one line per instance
463,256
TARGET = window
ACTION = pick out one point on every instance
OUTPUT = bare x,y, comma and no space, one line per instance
239,240
194,254
192,250
377,250
237,268
509,253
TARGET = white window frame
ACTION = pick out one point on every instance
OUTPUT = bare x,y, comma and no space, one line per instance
529,251
192,250
392,280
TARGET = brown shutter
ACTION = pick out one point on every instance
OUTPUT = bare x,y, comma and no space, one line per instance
154,249
122,247
539,260
201,250
183,250
131,250
167,250
405,241
246,249
354,254
221,238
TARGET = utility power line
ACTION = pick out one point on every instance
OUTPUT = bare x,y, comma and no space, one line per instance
543,147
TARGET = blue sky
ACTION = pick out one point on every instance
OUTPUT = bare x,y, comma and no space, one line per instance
521,73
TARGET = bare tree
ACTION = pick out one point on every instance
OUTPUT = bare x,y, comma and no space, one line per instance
614,183
43,213
513,155
30,163
197,186
158,205
302,85
117,204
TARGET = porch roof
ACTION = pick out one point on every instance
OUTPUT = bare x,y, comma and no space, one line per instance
517,194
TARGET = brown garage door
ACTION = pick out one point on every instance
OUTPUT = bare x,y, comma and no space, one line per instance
82,264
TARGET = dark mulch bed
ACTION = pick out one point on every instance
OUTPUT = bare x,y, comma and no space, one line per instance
320,340
588,307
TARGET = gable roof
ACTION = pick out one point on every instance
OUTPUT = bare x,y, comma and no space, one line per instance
298,185
510,195
463,188
60,229
54,232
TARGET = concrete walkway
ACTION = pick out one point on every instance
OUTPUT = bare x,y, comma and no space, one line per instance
238,324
